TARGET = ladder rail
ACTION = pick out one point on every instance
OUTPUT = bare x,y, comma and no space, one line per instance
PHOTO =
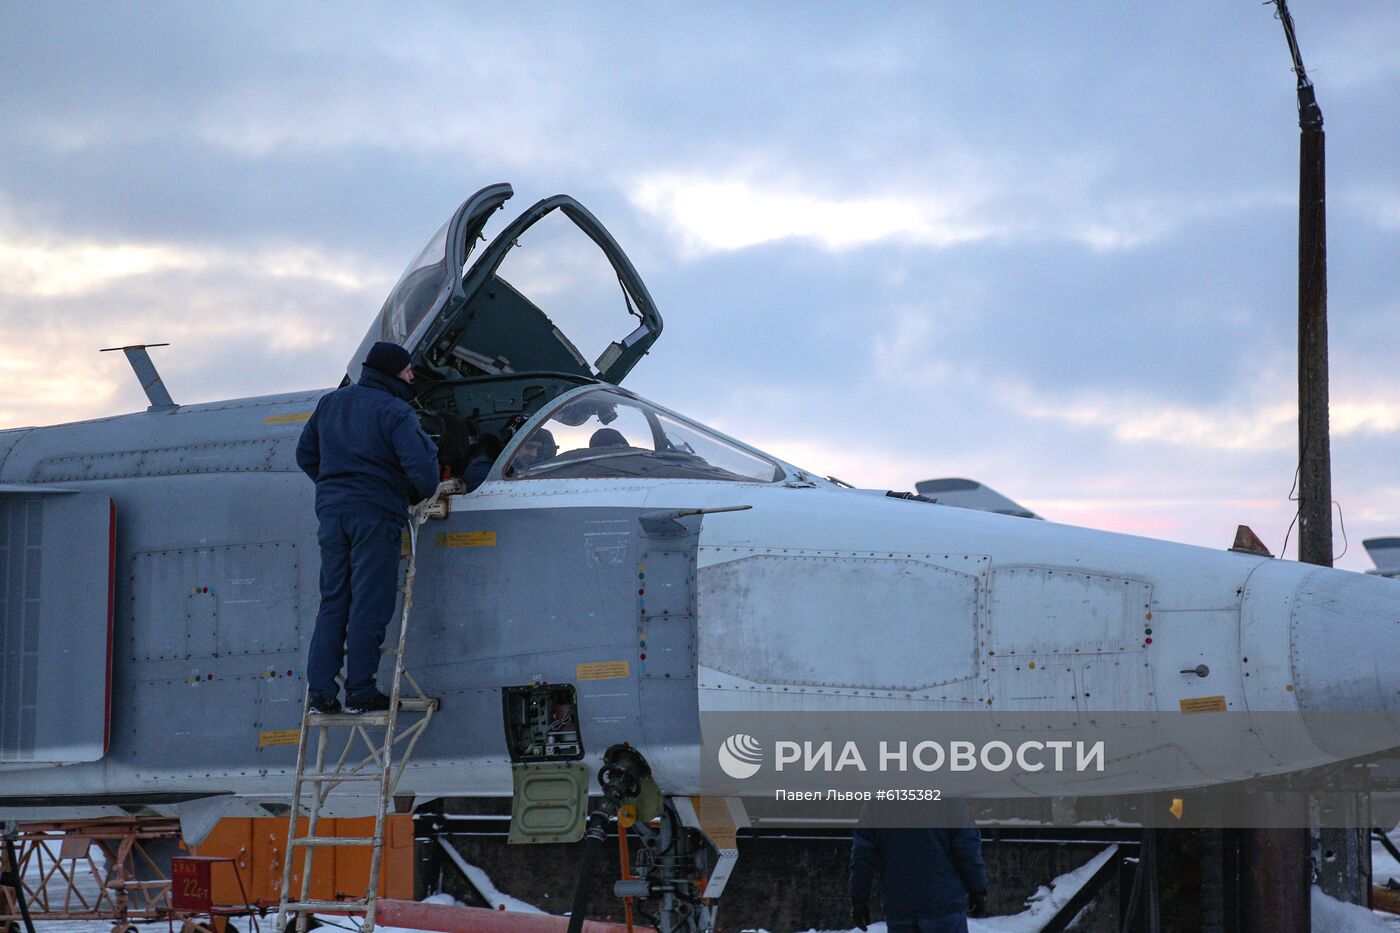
292,816
380,758
312,821
391,727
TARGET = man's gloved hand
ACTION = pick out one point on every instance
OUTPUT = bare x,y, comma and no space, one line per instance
860,915
977,904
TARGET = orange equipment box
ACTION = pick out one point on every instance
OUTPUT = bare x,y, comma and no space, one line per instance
258,846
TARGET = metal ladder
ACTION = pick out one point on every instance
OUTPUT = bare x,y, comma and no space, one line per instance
361,759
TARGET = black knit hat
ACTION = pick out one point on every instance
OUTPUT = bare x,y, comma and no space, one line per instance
389,358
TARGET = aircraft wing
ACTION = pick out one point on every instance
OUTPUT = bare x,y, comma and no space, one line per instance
970,494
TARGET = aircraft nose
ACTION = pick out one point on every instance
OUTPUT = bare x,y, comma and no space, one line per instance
1344,638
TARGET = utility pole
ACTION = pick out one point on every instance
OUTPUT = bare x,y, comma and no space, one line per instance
1314,443
1276,883
1344,862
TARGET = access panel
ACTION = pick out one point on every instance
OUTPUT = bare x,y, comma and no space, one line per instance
56,560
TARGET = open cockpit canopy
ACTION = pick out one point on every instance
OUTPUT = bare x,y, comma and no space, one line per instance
489,319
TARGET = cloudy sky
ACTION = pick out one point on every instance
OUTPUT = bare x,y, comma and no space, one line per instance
1051,246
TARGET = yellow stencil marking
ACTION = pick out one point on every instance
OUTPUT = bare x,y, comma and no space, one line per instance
466,539
715,821
603,670
296,417
278,737
1203,705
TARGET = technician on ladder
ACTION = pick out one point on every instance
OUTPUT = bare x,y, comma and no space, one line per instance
370,459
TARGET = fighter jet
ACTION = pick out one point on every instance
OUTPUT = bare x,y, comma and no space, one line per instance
623,572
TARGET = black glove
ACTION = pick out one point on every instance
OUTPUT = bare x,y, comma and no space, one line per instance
977,904
860,915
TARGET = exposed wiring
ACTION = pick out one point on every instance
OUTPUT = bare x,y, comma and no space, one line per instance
1342,522
1309,113
1292,497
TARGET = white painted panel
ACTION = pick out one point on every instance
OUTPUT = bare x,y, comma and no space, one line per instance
1040,684
1117,683
1040,610
828,620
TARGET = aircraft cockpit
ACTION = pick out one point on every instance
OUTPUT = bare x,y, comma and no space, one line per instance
606,432
497,332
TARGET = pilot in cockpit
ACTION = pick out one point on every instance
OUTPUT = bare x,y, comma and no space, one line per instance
537,448
484,453
607,437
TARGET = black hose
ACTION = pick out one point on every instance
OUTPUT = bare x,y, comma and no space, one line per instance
592,844
12,878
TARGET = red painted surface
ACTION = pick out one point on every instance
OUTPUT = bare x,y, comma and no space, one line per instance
190,887
449,918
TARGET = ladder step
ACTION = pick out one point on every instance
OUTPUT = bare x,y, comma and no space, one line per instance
380,718
335,841
331,776
327,906
347,719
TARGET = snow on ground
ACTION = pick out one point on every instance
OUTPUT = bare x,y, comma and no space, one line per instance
1383,864
1333,916
1328,914
1043,904
482,882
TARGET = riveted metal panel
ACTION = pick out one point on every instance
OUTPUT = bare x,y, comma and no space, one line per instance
666,608
1042,610
223,457
199,722
900,623
1115,685
215,602
1026,684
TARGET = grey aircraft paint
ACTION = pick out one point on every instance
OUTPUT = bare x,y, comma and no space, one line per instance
198,524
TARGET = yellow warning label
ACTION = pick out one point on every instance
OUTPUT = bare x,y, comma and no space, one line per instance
1203,705
466,539
296,417
602,670
278,737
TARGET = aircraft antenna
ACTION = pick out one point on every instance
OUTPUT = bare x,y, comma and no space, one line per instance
146,374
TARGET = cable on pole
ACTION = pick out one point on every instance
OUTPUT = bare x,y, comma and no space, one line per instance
1309,113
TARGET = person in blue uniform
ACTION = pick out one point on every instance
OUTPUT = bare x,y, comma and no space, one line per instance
370,459
929,859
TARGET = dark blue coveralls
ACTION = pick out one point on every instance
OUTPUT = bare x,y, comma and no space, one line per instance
370,459
926,875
